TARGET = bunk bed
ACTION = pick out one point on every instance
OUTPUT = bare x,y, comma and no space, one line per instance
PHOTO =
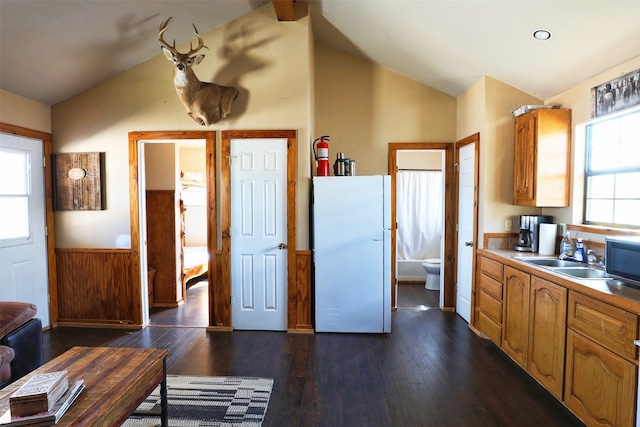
194,250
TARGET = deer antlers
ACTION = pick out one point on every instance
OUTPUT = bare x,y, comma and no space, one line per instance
164,26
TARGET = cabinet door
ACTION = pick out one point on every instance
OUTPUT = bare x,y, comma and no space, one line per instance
599,385
524,161
517,285
547,332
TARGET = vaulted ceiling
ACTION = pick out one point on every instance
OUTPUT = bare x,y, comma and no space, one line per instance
53,49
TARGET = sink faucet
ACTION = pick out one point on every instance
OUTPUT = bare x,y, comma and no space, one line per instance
594,259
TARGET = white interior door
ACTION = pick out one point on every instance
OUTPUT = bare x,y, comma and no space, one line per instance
23,246
466,211
259,233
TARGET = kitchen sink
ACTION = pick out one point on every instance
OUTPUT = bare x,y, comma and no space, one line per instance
575,269
582,272
551,262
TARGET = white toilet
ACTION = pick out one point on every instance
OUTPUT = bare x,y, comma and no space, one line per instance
432,267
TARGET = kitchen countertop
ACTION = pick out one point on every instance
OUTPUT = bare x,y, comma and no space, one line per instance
623,296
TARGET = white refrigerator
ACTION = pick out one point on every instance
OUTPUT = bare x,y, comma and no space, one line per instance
351,241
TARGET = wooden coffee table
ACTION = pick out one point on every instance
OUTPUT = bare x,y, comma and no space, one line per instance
116,381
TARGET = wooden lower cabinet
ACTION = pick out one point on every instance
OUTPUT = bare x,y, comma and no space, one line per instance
489,327
547,332
535,325
599,385
580,348
613,328
517,286
488,299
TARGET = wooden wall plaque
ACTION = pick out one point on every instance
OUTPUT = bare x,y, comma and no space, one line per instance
79,181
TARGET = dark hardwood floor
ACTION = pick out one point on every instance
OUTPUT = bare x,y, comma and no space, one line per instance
432,370
193,313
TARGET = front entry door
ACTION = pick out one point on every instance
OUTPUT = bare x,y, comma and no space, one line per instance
259,233
23,246
466,191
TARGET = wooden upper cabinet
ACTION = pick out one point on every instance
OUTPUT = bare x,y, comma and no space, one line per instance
542,158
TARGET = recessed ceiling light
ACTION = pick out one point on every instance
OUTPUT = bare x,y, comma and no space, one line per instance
541,34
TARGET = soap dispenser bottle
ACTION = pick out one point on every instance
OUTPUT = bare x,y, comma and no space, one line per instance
580,256
566,246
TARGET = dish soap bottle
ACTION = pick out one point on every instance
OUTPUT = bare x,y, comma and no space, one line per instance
580,255
566,246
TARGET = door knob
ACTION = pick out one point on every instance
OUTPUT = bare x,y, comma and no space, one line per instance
468,243
282,246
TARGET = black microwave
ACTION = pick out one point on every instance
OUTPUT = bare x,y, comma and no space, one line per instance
622,259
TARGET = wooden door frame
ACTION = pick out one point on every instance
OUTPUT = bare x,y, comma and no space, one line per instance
47,150
475,138
134,212
449,219
223,289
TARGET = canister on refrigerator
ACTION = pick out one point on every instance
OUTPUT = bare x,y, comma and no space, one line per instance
338,166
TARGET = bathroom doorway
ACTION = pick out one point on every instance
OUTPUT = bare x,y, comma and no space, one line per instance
420,217
421,173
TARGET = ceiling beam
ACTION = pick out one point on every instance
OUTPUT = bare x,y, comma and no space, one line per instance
284,10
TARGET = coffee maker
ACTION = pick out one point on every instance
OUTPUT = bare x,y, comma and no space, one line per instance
528,237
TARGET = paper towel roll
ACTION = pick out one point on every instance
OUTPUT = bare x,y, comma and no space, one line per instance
547,239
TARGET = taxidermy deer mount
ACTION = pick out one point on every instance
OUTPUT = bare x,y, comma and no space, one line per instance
205,102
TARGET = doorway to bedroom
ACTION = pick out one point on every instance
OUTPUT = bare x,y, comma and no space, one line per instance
175,206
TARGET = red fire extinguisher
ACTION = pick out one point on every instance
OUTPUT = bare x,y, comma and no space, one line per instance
321,153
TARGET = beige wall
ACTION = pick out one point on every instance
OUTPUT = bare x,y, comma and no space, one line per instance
266,59
19,111
471,110
486,108
364,107
496,155
578,98
289,82
193,159
420,159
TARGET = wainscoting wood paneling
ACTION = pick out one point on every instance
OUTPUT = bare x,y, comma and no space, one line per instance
94,287
303,292
217,294
161,247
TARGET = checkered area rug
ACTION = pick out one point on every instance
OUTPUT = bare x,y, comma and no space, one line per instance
207,401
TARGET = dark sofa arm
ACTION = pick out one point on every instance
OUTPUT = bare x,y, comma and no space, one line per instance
26,342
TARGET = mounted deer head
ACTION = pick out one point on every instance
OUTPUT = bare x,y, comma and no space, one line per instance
205,102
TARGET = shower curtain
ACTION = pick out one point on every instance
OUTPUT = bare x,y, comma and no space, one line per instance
419,211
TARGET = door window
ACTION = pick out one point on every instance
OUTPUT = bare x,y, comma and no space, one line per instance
14,196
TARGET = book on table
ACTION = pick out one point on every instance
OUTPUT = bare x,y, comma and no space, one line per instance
46,418
39,393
